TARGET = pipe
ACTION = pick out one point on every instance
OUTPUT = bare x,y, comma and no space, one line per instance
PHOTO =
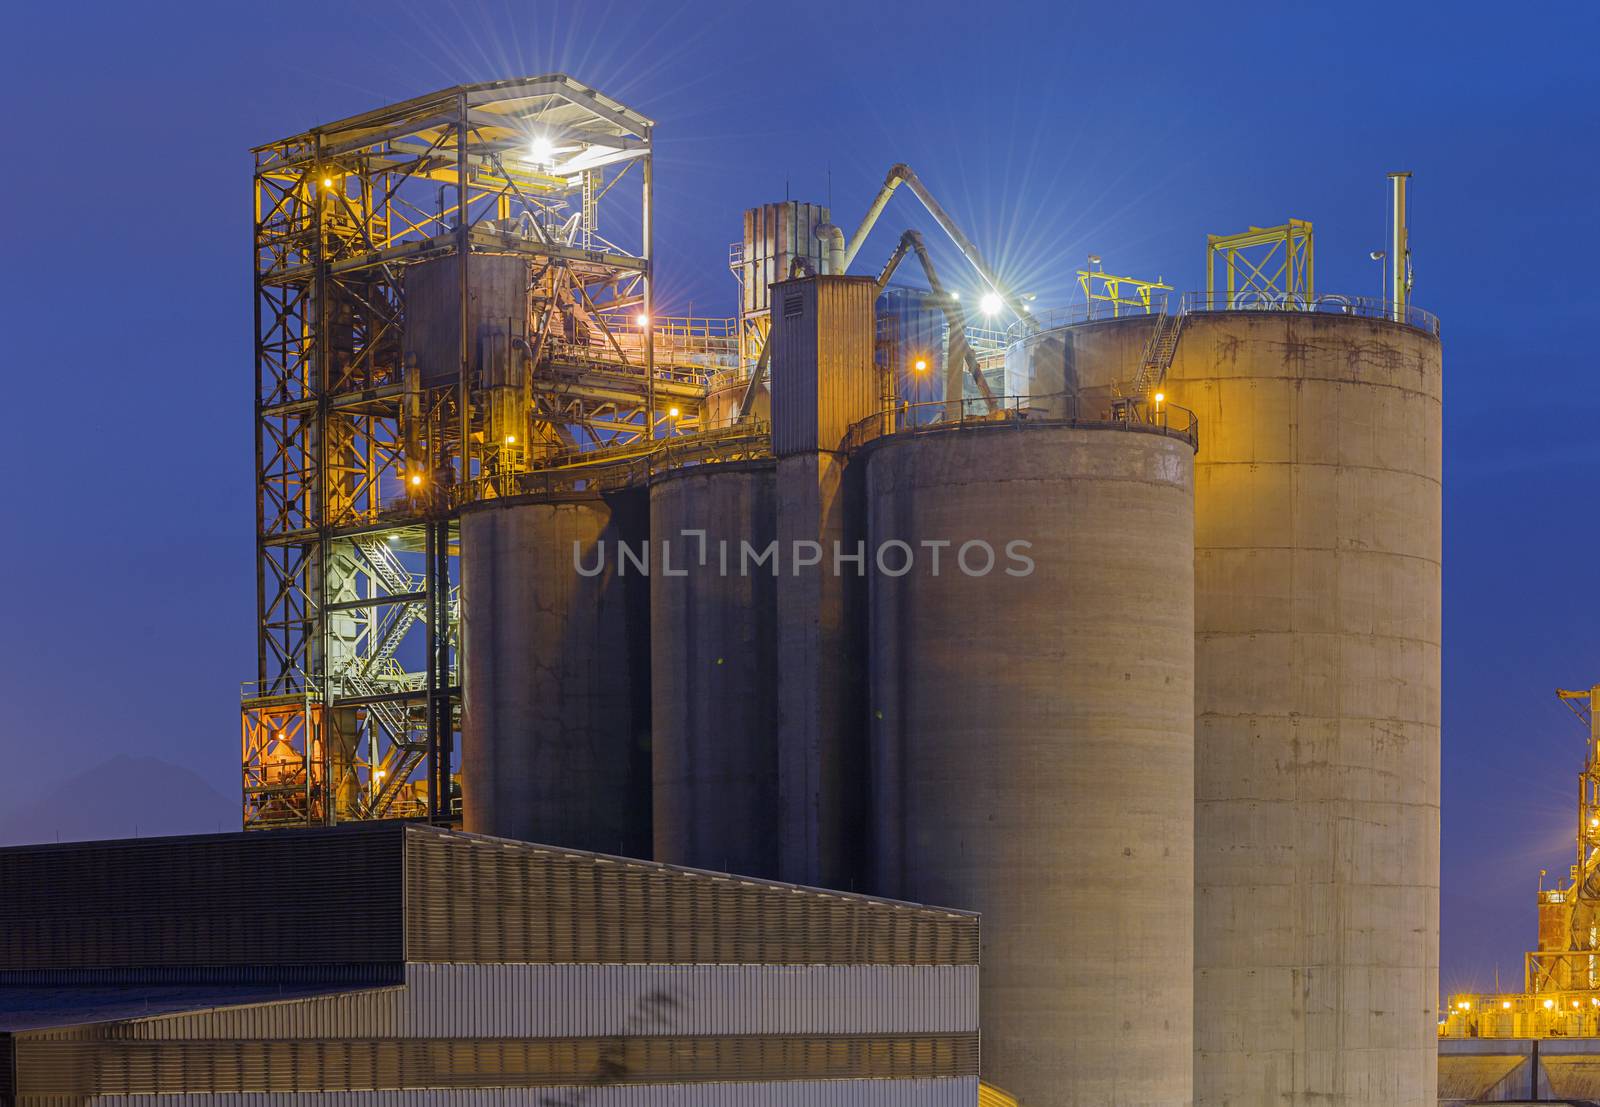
832,238
954,322
903,173
1399,246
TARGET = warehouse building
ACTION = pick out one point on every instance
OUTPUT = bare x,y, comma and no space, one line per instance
401,964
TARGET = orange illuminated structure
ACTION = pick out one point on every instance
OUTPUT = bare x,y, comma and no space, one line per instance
1561,978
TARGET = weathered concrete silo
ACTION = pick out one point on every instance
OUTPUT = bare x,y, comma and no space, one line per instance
1069,371
1317,626
1032,736
555,665
713,650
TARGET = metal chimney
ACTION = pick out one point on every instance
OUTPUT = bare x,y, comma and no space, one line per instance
1399,247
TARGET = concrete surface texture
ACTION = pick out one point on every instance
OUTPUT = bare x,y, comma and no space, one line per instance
1032,740
1317,622
555,675
1068,372
821,755
713,656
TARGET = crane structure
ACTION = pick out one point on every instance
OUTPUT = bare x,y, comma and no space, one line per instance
841,254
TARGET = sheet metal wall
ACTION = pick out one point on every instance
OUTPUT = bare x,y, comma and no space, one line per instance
476,900
952,1092
553,1001
823,378
284,898
76,1068
774,235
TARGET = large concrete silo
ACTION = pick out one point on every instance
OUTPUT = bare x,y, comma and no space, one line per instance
713,651
555,661
1032,737
1317,622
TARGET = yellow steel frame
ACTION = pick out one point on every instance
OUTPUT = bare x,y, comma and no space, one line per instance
1262,266
1099,287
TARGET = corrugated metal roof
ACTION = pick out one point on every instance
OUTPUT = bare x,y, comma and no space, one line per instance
381,894
44,1007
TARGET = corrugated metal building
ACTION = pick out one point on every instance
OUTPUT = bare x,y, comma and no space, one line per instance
400,964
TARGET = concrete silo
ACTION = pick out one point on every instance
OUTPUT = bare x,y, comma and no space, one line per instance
1070,370
713,650
1317,630
1032,736
555,664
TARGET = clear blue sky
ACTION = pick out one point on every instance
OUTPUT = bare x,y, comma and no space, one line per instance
1051,130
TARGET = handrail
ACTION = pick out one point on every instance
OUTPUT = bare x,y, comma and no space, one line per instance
948,415
622,466
1367,307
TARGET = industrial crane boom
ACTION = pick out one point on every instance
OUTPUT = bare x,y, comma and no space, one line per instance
900,173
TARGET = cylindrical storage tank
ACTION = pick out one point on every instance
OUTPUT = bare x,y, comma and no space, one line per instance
1316,706
1068,372
714,670
554,634
1032,737
725,395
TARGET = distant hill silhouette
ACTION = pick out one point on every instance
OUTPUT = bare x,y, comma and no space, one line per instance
120,798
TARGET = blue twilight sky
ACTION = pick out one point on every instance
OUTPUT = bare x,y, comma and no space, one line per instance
1050,130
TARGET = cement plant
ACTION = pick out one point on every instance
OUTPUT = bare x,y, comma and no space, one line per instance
897,691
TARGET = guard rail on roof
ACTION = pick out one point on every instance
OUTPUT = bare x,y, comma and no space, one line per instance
1328,303
1057,409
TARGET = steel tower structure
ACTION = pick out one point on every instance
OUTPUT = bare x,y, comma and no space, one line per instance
375,418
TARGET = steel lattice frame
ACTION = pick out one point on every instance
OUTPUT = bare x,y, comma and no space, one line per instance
360,465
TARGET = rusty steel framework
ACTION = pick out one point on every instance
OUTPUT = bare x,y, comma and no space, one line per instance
369,438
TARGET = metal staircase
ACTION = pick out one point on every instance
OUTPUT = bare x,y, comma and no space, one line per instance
1158,353
378,673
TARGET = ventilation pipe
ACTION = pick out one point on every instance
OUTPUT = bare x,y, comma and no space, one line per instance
832,239
1399,247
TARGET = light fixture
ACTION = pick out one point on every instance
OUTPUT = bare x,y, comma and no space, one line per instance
954,295
416,480
642,320
1549,1003
511,440
672,413
921,365
1160,396
394,538
327,182
542,150
991,303
1506,1006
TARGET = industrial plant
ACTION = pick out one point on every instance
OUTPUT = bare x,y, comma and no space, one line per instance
880,695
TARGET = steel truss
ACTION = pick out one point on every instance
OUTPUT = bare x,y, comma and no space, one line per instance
364,451
1261,267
